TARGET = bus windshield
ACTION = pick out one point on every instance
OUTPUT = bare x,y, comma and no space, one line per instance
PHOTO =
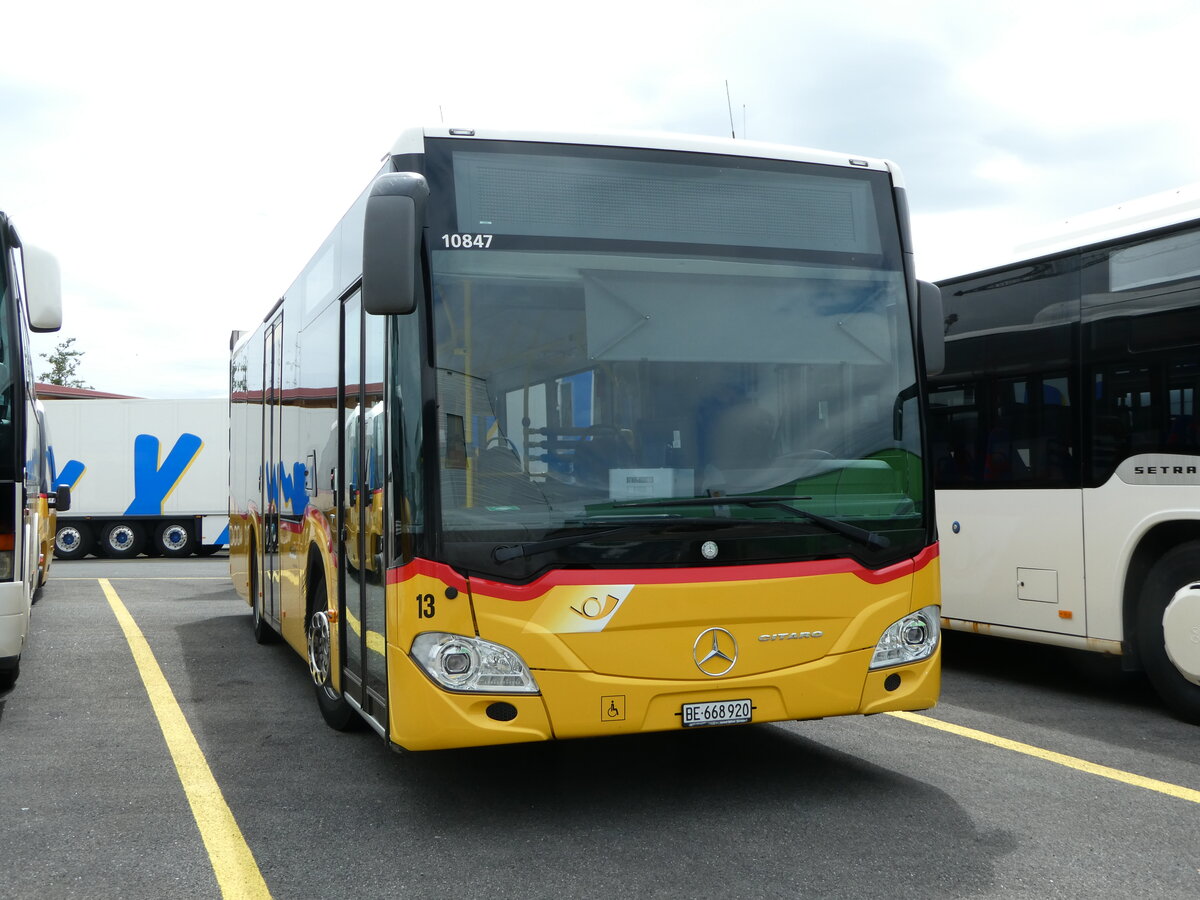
697,328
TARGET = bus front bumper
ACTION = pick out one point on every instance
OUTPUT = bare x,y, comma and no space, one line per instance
575,704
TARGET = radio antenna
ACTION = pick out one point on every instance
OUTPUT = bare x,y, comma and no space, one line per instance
729,103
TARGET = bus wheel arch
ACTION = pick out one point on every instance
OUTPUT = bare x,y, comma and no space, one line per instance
1174,570
319,628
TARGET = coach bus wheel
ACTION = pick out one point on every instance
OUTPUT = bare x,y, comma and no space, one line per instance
1177,568
174,539
338,714
72,541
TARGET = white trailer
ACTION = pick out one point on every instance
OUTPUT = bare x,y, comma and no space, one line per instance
146,476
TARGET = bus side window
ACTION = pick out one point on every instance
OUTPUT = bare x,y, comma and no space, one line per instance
954,435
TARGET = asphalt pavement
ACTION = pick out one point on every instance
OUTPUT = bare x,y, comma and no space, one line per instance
93,804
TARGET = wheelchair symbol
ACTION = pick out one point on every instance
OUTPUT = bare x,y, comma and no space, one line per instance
612,708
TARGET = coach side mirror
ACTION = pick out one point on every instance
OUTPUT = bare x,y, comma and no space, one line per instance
392,229
933,328
61,499
43,287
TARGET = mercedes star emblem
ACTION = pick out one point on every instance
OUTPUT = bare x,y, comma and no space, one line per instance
715,652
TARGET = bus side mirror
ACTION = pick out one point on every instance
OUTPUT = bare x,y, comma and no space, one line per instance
392,229
43,289
61,499
933,327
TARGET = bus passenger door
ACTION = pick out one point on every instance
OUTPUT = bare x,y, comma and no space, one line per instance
1009,505
363,574
272,499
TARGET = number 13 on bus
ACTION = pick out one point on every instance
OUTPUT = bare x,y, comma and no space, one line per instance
570,436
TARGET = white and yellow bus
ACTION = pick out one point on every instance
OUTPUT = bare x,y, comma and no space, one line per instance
30,299
1065,444
567,436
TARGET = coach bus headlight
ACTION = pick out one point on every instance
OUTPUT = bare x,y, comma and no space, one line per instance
911,639
460,663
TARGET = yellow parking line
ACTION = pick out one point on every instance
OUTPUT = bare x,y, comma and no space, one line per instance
1150,784
233,863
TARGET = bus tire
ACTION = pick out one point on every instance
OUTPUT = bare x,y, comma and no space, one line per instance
73,540
1177,568
174,539
122,540
337,713
9,675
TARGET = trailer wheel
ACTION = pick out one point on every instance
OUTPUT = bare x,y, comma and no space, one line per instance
174,539
1178,567
72,541
122,540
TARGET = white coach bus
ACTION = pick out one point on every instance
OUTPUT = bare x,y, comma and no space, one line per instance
1065,444
30,299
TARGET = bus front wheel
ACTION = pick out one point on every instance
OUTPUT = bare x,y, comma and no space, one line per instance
1176,569
337,713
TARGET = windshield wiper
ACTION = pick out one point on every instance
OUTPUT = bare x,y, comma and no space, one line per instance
870,539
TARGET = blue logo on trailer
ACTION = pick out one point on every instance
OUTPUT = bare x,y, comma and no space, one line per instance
152,483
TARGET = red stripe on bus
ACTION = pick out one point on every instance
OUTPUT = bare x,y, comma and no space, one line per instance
440,571
765,572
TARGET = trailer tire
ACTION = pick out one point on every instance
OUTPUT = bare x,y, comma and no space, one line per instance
122,540
1175,569
73,541
174,539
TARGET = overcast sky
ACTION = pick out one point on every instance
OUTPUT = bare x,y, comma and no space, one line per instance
183,162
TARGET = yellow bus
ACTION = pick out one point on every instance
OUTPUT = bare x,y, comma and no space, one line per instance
572,435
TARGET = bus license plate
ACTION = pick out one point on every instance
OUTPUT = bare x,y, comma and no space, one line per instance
720,712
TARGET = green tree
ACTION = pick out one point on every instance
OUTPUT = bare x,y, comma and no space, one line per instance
64,361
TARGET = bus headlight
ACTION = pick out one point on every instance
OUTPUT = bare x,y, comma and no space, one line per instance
911,639
460,663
